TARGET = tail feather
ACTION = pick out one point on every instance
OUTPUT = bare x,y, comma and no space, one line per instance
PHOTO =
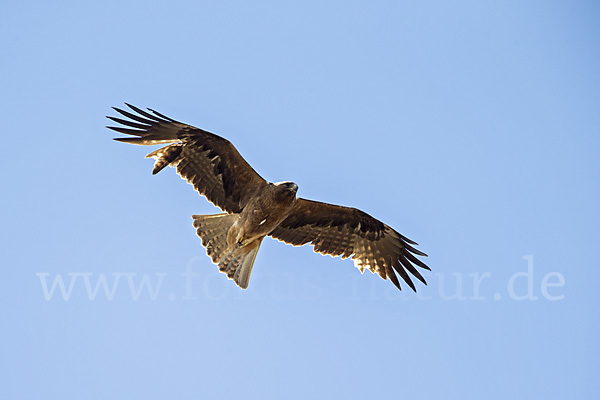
236,262
213,229
242,273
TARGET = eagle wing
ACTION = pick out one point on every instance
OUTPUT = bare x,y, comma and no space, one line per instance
349,232
209,162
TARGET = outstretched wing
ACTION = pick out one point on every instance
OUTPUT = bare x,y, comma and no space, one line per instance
348,232
207,161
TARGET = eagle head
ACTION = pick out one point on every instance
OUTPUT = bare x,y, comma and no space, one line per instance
291,186
284,191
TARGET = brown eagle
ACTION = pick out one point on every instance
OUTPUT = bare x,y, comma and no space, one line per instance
254,208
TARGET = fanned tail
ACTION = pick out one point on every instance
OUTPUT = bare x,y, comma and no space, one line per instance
235,262
213,230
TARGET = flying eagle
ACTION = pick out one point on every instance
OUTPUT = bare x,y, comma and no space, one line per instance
255,208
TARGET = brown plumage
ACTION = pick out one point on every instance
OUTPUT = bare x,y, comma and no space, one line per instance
254,208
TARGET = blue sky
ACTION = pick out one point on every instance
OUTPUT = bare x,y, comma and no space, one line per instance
471,127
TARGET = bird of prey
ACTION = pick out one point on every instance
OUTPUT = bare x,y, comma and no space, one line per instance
254,208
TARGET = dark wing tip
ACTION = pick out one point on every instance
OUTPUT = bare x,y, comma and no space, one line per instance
126,131
407,240
412,285
127,140
162,115
414,251
394,279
